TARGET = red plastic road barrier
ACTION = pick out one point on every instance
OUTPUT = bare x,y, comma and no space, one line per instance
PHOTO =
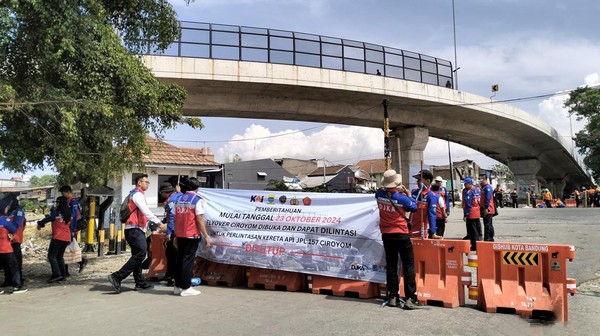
200,267
343,287
158,264
223,275
529,279
570,203
439,271
275,280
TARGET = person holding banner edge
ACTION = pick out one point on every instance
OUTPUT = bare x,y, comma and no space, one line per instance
394,202
189,229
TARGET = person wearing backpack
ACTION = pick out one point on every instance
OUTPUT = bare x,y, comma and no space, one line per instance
139,219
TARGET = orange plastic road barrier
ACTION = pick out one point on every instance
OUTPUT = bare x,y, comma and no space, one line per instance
570,203
275,280
439,271
223,275
200,268
528,279
343,287
158,264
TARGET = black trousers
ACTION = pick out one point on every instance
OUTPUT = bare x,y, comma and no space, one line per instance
473,232
136,239
515,203
171,254
396,244
56,257
488,228
440,223
186,254
9,261
548,204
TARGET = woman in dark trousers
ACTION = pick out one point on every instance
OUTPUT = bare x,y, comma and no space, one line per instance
61,238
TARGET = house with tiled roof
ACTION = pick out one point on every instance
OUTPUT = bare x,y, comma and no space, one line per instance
375,169
168,163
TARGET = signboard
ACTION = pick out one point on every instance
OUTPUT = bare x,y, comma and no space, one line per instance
317,233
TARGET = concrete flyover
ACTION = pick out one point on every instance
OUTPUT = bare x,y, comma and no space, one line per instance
248,89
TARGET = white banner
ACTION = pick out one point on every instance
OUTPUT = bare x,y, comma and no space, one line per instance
318,233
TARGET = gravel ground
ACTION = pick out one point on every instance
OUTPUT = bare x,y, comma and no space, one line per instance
36,269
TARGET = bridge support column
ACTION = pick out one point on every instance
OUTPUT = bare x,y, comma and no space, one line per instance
557,188
407,152
525,172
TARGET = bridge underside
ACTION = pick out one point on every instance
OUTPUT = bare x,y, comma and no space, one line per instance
501,138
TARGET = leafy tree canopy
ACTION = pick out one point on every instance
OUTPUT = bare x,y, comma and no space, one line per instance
585,104
73,93
43,181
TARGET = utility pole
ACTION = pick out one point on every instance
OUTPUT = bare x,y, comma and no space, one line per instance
455,86
451,170
386,136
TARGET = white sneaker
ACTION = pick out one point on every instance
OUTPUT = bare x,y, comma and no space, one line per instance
189,292
176,291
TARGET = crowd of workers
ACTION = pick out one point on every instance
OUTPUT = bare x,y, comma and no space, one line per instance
421,212
404,214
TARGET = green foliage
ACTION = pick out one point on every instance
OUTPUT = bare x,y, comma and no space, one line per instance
585,104
503,172
72,93
276,185
44,180
27,204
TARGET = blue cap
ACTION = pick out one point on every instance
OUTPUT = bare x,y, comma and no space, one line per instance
468,180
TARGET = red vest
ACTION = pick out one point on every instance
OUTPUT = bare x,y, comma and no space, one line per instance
5,245
137,217
390,221
18,236
475,212
185,216
492,207
61,230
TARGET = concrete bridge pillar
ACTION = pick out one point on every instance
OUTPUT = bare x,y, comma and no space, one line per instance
557,188
407,152
525,172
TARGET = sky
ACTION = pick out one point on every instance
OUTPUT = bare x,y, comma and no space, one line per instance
528,48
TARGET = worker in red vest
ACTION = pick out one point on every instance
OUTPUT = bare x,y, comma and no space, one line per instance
470,203
9,225
190,228
488,209
136,224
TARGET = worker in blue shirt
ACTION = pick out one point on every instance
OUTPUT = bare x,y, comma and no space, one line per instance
171,195
427,201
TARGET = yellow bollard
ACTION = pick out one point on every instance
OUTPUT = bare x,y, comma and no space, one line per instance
118,243
123,241
89,242
111,238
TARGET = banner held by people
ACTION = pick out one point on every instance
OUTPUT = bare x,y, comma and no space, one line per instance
326,234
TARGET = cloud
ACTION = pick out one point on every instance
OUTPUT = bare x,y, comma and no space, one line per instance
337,144
316,7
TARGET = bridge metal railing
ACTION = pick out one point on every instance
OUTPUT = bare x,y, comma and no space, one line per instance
226,42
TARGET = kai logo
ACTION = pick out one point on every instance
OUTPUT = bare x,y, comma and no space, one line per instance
257,198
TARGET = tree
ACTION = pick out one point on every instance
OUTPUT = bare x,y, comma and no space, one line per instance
73,93
585,104
502,171
43,181
276,185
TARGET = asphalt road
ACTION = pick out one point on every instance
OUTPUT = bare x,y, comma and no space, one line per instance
91,309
